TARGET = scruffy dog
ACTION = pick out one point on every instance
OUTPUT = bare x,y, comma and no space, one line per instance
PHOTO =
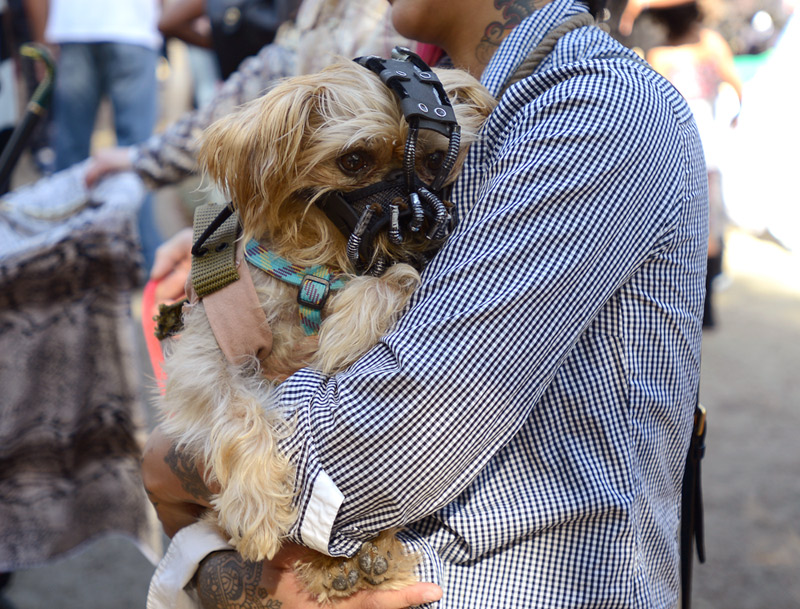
340,130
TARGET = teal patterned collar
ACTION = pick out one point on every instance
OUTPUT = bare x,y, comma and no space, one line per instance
315,283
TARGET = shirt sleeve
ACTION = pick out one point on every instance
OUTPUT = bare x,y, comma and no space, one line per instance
564,200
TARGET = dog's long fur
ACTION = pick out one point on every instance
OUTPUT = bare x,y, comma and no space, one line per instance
274,158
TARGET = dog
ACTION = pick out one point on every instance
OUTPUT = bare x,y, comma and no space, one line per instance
278,159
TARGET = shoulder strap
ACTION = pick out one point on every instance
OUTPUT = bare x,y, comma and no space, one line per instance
543,49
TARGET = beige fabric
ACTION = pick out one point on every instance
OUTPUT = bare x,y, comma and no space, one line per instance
236,317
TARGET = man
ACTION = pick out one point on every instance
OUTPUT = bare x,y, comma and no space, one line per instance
527,420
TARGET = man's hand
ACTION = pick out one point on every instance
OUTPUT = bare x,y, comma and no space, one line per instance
172,265
226,581
108,160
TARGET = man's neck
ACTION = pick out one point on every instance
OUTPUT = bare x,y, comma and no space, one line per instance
474,50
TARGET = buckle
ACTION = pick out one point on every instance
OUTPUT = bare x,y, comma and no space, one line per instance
313,292
700,420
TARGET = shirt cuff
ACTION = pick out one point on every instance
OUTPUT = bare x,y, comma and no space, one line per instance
320,512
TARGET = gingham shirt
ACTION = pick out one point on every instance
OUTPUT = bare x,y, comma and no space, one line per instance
528,418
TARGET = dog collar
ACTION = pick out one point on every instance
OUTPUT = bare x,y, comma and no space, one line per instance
315,283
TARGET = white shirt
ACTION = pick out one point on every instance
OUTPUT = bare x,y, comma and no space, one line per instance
127,21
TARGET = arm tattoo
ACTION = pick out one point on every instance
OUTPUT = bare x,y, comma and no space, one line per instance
185,470
226,581
514,11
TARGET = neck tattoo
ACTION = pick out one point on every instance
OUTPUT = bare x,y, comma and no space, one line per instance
513,12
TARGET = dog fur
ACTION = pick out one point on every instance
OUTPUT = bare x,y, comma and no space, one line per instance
274,158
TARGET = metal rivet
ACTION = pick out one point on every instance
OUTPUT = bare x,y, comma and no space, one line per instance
401,73
440,112
425,75
422,107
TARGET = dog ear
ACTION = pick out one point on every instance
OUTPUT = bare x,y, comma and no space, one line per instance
472,101
251,154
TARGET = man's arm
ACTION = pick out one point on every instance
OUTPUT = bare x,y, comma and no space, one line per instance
225,581
36,12
174,484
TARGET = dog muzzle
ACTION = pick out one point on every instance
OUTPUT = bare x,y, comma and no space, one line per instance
402,203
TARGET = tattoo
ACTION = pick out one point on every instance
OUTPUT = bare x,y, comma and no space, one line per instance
185,470
226,581
514,11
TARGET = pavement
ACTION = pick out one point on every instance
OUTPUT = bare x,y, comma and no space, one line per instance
750,386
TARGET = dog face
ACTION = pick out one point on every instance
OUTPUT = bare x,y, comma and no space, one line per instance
341,129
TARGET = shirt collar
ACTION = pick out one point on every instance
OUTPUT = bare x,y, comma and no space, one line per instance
525,37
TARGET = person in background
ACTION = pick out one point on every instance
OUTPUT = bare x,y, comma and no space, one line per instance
9,106
104,49
698,61
323,30
234,30
527,420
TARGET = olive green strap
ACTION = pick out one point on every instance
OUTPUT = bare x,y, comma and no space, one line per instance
215,266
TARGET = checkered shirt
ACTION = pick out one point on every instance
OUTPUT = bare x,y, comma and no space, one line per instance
528,418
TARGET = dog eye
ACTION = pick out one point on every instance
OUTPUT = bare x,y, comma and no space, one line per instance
434,160
354,162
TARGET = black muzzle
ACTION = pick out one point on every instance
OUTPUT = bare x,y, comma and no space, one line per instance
402,203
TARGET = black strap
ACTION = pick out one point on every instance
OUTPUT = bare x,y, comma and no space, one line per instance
692,532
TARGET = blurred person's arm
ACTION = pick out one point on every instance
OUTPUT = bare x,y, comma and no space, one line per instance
36,12
170,156
634,8
723,58
173,262
186,20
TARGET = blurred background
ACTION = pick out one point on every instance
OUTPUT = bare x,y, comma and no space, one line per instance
750,385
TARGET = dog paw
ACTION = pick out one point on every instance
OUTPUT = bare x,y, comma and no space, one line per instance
380,564
257,545
369,565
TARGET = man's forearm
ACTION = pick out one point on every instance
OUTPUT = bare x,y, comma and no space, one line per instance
226,581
